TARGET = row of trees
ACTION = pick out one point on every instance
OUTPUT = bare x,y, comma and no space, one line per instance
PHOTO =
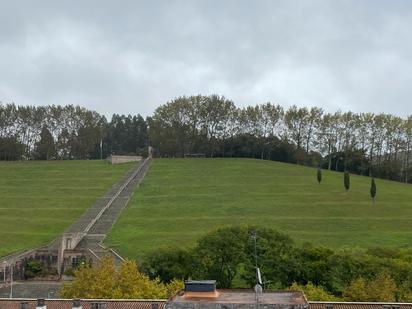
365,143
67,132
228,255
346,183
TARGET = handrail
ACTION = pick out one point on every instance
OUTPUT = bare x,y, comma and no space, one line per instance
95,255
110,202
117,254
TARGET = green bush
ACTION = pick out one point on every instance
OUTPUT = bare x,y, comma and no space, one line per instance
33,269
313,292
69,271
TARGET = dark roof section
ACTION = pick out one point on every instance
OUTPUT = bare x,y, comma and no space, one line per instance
200,285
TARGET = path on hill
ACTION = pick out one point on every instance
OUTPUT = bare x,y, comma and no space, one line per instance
98,220
86,233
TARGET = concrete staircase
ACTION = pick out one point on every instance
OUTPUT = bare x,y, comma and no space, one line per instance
81,224
85,236
98,220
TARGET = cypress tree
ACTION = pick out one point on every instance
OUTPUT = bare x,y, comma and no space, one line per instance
319,175
346,181
373,190
45,148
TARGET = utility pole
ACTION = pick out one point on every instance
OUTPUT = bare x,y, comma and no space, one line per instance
11,280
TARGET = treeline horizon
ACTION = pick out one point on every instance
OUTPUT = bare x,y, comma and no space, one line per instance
368,144
67,132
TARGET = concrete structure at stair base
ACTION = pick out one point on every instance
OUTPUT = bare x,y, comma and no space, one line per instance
115,159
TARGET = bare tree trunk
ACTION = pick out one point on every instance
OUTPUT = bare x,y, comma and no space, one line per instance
330,162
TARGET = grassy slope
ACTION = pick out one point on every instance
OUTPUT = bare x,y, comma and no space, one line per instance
39,199
181,199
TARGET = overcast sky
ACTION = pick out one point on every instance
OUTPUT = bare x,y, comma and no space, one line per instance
132,56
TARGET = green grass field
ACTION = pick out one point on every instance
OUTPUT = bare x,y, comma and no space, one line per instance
40,199
181,199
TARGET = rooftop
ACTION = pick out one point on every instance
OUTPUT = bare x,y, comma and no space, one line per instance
159,304
241,296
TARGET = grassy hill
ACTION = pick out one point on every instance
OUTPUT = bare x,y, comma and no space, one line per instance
181,199
39,199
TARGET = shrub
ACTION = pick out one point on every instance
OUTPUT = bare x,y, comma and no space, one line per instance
383,288
106,281
313,293
33,269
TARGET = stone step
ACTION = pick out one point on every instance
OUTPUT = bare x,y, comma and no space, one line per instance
80,224
110,216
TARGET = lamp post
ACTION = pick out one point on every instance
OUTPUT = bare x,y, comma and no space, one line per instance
11,280
4,271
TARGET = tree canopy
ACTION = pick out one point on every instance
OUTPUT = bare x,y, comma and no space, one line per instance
228,255
127,282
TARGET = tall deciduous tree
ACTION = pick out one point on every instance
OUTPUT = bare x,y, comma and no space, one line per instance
221,253
297,122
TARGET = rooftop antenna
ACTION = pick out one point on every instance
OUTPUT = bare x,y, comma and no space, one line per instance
258,287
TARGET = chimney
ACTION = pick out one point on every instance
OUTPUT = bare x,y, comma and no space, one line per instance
98,305
155,306
41,304
200,289
76,304
24,305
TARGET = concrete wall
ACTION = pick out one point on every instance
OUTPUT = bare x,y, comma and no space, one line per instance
16,264
113,159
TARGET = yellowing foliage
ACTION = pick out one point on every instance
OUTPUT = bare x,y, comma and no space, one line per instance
105,281
382,288
313,292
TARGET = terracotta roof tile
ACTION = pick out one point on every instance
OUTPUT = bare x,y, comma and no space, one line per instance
86,304
159,304
349,305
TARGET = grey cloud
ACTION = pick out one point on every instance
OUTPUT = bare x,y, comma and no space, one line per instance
131,56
